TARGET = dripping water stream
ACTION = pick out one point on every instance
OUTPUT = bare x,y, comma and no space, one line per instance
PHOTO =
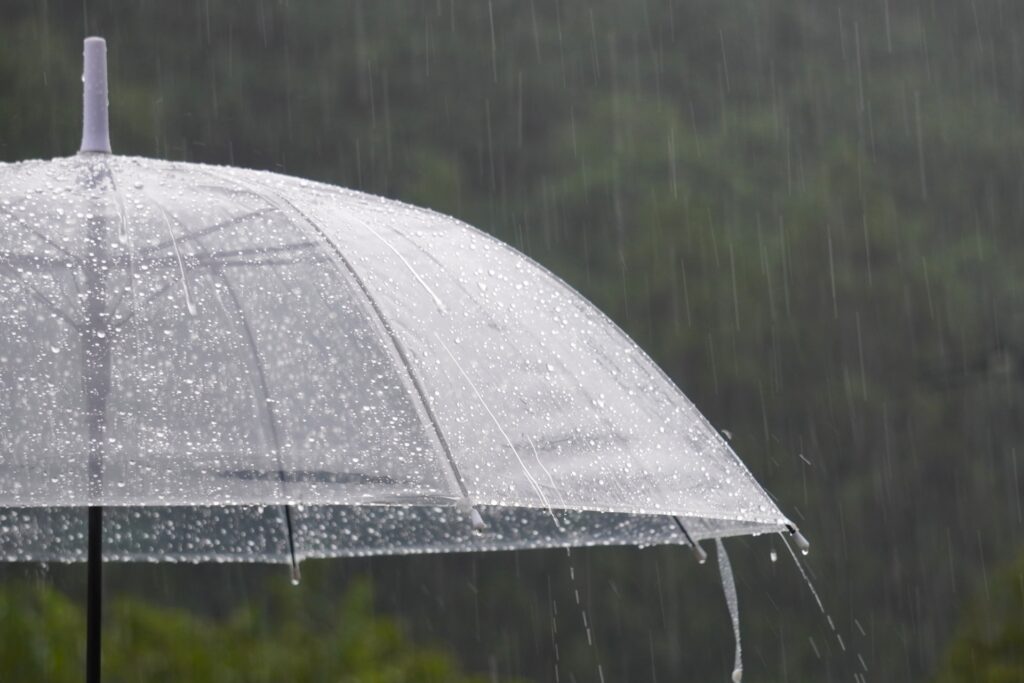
821,607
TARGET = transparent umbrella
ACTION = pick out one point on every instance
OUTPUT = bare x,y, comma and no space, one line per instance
233,365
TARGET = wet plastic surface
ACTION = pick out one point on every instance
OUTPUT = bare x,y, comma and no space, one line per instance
185,335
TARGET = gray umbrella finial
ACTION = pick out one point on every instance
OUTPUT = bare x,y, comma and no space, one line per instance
95,126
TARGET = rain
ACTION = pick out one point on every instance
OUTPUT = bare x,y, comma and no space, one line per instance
388,341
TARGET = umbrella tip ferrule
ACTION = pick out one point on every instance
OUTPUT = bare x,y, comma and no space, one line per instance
801,541
296,574
477,522
95,105
475,519
699,553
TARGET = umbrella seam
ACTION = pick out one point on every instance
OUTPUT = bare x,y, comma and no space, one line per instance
601,314
271,419
396,343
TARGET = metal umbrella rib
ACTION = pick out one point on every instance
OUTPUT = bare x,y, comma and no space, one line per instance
271,422
398,348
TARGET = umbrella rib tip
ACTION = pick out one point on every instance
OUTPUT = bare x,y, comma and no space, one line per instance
699,553
95,105
477,521
801,541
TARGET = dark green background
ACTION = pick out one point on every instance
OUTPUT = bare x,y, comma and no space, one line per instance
808,212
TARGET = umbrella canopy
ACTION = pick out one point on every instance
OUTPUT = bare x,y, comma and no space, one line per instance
240,365
181,335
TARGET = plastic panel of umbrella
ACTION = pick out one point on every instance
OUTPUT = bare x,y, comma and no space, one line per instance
268,341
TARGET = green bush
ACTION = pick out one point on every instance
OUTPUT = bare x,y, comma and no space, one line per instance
42,638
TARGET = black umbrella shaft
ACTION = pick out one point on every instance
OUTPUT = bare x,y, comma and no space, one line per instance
95,599
96,354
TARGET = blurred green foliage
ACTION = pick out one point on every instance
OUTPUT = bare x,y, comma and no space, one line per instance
989,644
41,639
808,213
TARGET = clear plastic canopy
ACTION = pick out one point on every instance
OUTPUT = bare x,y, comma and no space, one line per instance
205,349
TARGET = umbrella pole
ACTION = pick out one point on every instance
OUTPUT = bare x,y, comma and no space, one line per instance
94,622
96,362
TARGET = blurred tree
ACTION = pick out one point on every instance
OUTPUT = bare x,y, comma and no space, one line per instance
42,639
989,644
